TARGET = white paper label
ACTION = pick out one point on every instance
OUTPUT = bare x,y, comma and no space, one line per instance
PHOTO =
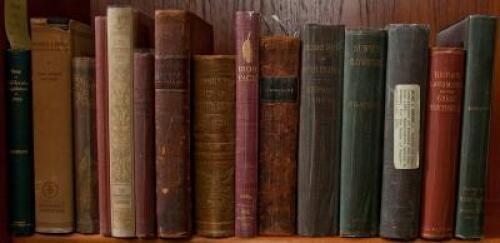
406,126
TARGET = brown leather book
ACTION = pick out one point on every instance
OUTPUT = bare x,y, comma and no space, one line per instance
213,133
120,36
247,35
102,125
54,44
87,216
279,114
444,110
144,132
178,35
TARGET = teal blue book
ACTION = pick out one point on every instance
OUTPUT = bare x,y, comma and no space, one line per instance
20,142
362,132
476,34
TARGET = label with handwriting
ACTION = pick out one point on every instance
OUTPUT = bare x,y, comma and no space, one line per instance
406,126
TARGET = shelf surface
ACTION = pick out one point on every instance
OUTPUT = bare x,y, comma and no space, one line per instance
78,238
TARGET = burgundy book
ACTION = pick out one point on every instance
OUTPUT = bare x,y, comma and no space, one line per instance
444,109
144,132
102,124
278,130
247,116
178,34
3,147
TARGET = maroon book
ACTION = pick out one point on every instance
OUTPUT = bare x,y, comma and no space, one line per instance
102,124
144,140
178,34
247,117
444,110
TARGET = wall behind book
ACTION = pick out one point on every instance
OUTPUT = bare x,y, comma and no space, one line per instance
74,9
374,13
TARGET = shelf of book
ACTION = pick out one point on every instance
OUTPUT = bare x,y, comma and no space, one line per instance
78,238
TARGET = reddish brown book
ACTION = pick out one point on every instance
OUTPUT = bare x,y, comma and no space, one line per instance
102,123
178,35
247,31
444,109
144,131
279,67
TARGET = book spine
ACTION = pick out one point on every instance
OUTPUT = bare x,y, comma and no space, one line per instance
4,192
247,29
19,142
406,86
144,129
84,145
479,44
120,36
362,132
172,124
53,135
320,130
214,141
444,111
278,132
102,125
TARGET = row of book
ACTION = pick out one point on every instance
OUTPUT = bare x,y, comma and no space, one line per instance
174,140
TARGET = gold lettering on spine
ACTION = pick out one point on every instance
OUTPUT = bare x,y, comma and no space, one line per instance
120,54
447,87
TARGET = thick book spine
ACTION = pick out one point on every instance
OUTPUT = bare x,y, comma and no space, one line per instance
476,34
20,142
87,219
214,140
144,130
320,130
102,125
278,132
120,36
362,132
54,43
444,110
405,99
247,30
172,122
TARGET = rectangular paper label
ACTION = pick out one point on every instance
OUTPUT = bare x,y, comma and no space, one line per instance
406,126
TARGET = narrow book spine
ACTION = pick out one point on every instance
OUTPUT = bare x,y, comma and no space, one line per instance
4,193
444,110
320,130
214,140
84,145
20,142
406,86
480,34
362,132
102,125
278,132
247,29
172,124
144,129
120,35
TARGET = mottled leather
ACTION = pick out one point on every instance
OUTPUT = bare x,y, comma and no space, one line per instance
278,133
214,139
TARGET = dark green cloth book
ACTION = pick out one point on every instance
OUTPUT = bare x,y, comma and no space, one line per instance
362,132
476,34
320,130
20,142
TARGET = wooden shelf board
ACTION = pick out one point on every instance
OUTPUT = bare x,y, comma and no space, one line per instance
78,238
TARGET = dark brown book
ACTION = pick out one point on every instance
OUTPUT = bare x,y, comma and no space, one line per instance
278,130
3,146
214,140
178,35
444,110
144,149
102,125
247,30
84,143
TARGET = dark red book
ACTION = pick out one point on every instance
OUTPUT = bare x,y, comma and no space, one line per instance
102,123
144,141
247,31
444,109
